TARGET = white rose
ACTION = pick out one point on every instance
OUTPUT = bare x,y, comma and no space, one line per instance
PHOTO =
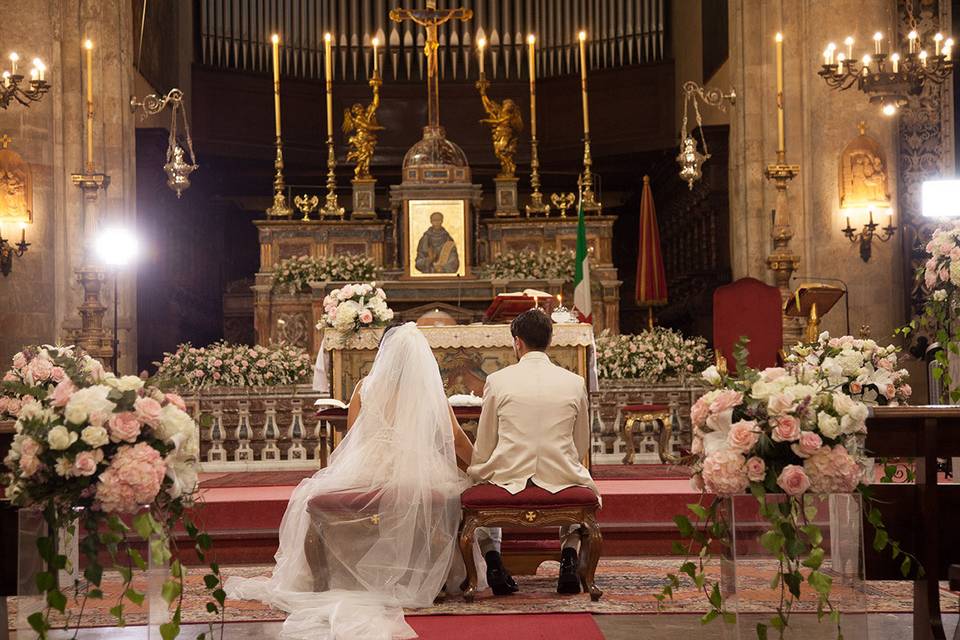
90,403
939,295
124,383
183,473
95,436
178,428
829,426
60,438
714,441
30,411
64,467
843,403
711,375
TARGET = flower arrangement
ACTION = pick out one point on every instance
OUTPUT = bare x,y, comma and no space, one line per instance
354,307
940,278
102,450
858,367
787,434
531,265
234,365
298,272
651,356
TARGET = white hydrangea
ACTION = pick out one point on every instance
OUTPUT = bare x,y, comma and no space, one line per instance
88,402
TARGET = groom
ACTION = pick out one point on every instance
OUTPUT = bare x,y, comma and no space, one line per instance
534,429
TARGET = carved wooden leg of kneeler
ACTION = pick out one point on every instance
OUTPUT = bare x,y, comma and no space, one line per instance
467,531
316,558
594,544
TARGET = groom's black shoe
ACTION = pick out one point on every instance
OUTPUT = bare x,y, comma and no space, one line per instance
499,579
569,581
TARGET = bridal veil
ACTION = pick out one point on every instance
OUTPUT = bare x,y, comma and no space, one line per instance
385,511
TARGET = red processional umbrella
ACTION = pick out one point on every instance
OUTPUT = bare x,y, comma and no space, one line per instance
651,277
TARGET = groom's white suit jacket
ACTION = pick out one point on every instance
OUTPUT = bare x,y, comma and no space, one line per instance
533,426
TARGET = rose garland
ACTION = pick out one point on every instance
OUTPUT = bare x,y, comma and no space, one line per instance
234,365
298,272
776,432
531,265
651,356
91,448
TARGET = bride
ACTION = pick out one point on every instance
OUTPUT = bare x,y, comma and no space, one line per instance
376,530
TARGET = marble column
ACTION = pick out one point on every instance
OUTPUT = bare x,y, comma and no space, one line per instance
819,122
42,294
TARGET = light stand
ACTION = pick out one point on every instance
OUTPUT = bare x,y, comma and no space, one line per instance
117,248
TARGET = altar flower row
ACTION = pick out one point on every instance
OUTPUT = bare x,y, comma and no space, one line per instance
652,356
298,272
792,438
95,447
531,265
223,364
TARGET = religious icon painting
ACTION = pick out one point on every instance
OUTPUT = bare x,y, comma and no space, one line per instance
16,186
437,239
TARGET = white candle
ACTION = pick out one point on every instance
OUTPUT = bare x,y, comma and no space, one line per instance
376,63
583,81
328,67
849,42
923,58
840,59
6,78
936,43
481,43
831,48
895,59
866,64
912,38
877,43
13,63
40,67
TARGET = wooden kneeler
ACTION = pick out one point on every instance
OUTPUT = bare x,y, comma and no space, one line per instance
488,505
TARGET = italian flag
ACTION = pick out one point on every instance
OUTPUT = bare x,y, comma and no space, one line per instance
581,277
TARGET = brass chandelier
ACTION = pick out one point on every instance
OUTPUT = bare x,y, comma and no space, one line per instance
889,77
14,86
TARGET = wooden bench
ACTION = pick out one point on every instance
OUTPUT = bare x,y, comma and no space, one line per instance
924,517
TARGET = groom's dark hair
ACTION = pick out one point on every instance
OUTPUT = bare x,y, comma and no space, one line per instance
534,327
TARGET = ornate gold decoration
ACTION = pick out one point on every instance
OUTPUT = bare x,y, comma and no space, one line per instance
782,261
306,204
177,168
689,158
863,174
16,185
506,123
530,516
563,201
279,208
665,420
360,123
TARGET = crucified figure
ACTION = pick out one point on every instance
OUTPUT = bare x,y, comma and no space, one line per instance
431,18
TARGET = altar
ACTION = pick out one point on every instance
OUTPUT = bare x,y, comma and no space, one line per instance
467,354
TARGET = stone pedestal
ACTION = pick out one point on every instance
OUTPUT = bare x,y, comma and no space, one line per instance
506,193
363,199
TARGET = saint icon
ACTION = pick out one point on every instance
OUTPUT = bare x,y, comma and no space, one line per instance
437,251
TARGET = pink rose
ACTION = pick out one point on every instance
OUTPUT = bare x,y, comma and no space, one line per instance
756,469
124,427
148,409
29,447
944,274
86,462
930,279
785,429
781,403
3,404
699,412
366,317
743,435
40,369
29,465
62,392
19,360
856,387
808,444
9,377
906,390
793,480
890,392
726,399
57,374
176,401
13,406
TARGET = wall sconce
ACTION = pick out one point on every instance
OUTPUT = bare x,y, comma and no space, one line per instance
8,251
868,233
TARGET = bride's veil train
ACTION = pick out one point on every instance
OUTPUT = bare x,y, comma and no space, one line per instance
381,520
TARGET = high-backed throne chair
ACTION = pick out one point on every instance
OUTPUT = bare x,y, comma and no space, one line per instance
751,308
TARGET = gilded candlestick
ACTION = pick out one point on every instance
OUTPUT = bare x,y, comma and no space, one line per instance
331,208
781,151
537,205
590,202
280,208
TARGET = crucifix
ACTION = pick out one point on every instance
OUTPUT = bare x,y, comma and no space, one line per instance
431,18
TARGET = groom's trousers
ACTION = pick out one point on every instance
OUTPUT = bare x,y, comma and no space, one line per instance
490,538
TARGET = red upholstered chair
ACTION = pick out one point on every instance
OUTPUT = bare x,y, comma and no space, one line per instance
749,308
487,505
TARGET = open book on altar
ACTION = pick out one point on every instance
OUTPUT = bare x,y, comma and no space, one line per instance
507,306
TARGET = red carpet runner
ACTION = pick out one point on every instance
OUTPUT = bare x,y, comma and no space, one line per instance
579,626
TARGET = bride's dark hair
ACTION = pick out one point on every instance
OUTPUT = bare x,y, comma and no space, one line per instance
396,322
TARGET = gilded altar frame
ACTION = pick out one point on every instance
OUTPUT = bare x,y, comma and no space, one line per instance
457,222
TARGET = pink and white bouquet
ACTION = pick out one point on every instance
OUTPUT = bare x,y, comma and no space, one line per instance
858,367
102,446
354,307
784,436
223,364
941,272
651,356
784,429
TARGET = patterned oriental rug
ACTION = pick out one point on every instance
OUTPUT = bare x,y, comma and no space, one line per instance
629,586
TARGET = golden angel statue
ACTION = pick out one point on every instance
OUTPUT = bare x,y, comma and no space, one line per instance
506,123
360,123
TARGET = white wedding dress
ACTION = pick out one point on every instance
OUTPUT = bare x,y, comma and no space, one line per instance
398,467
